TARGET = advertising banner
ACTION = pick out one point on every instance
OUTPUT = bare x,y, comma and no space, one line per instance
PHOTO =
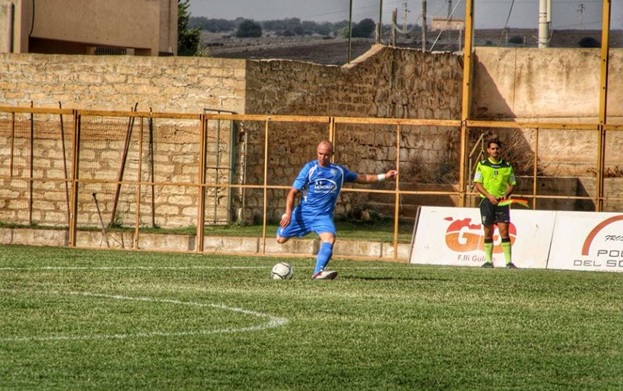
454,236
587,241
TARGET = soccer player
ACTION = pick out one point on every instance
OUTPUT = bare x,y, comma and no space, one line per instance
320,182
495,180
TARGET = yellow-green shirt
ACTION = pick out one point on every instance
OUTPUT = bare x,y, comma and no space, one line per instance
495,177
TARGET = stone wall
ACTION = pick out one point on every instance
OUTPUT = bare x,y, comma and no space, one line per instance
152,151
161,84
386,82
555,86
164,84
379,84
545,85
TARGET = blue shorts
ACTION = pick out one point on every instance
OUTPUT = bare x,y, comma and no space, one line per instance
301,225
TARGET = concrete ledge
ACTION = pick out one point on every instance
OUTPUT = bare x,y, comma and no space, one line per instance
212,244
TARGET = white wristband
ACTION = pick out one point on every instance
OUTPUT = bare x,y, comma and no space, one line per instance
380,177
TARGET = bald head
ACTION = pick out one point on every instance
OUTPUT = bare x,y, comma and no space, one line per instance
324,153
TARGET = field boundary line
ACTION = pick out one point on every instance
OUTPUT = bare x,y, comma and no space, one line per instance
273,321
112,268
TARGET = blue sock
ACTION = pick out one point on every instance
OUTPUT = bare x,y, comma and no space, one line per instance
324,256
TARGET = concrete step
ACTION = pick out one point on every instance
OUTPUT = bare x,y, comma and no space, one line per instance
352,249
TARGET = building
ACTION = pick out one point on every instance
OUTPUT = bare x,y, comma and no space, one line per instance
447,24
133,27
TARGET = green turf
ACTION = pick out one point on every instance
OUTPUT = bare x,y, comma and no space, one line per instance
112,320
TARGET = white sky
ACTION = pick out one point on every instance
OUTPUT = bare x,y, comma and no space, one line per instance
566,14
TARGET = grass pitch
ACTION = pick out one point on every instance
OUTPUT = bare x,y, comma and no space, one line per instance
111,320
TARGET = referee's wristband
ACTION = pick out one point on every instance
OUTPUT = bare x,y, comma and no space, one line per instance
380,177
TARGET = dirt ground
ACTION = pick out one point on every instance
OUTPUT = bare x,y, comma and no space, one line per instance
316,50
338,51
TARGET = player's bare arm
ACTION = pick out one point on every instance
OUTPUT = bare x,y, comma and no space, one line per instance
372,178
287,216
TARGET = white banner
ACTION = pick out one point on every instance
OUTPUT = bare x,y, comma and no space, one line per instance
587,241
454,236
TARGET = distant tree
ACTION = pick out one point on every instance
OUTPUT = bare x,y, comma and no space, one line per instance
292,23
589,42
273,25
280,27
340,25
309,28
187,39
364,29
211,25
516,39
325,28
249,29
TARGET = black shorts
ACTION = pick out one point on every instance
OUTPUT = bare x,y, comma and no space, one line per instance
491,214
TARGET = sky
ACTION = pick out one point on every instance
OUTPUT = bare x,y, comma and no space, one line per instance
566,14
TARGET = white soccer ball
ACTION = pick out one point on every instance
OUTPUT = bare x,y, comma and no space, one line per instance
282,271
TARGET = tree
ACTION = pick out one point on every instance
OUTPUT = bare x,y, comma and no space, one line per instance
364,28
211,25
187,39
516,39
249,29
589,42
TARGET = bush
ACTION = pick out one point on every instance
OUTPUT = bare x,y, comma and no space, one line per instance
516,39
589,42
364,29
249,29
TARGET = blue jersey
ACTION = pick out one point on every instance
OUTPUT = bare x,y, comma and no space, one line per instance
321,186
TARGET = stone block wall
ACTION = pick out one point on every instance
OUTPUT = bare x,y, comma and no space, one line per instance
164,84
107,156
386,82
555,86
122,83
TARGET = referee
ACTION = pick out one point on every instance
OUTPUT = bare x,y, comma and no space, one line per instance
495,181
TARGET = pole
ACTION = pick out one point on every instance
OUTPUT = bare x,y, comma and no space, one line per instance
543,25
394,24
60,106
11,28
379,34
603,102
350,29
466,94
424,25
404,19
124,158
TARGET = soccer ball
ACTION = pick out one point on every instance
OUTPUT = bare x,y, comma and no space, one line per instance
282,271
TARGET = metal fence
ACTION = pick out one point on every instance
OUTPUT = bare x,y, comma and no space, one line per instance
79,170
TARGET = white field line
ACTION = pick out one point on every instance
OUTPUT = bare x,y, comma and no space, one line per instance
108,268
271,323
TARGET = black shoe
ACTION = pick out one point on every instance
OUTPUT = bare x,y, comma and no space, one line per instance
511,265
487,265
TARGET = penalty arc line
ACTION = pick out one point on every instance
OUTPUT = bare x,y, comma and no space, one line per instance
273,321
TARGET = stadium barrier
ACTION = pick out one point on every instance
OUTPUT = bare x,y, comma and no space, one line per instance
563,240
